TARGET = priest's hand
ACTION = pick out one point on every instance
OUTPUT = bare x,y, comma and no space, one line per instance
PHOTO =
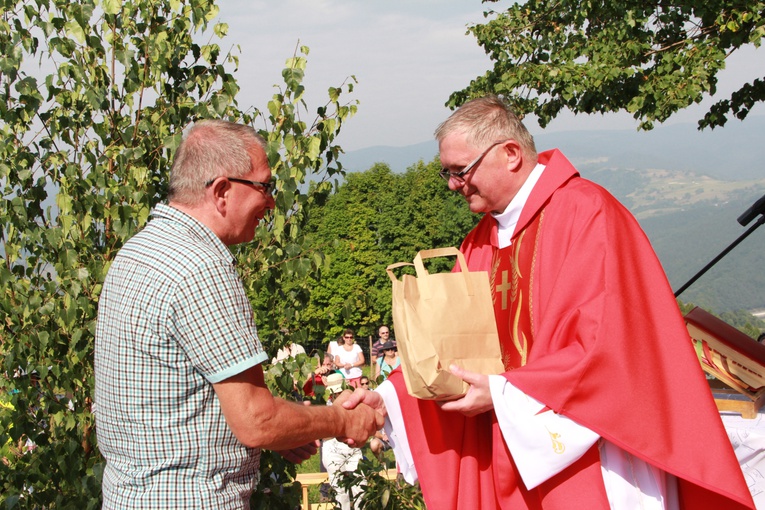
477,400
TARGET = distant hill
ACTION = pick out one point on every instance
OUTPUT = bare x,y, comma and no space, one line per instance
397,158
735,152
685,187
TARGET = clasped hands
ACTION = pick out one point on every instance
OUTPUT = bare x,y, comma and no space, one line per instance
358,423
477,400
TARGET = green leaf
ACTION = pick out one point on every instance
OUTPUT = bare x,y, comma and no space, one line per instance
112,6
221,29
75,30
314,148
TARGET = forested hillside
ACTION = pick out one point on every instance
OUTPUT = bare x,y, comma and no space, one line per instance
690,219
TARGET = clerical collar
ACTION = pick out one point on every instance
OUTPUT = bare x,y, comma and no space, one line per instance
508,219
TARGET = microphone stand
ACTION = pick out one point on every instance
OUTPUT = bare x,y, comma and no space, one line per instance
757,208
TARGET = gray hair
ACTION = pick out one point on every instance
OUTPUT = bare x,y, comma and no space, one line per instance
210,149
486,120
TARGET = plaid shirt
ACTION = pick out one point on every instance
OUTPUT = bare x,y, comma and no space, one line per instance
173,318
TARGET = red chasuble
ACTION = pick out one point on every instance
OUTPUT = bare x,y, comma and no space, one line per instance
589,327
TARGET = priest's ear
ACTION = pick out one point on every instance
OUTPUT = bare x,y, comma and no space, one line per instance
514,155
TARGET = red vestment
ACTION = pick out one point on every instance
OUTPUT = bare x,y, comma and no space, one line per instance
608,348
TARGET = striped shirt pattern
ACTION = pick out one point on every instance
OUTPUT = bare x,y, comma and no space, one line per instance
173,318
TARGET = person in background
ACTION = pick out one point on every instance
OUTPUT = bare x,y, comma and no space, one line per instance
334,345
290,350
383,336
349,359
319,375
388,361
182,408
603,403
336,456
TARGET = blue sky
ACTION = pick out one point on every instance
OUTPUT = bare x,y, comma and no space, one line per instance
407,56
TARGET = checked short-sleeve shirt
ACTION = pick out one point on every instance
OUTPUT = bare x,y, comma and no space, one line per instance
173,318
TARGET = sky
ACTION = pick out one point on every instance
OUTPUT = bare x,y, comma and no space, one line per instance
407,55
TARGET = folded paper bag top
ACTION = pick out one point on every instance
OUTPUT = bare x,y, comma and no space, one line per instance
443,319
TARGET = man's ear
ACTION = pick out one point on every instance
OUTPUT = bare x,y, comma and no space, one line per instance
218,193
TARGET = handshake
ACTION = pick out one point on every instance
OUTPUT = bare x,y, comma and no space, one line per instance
359,404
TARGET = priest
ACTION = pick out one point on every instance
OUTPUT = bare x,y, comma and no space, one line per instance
603,403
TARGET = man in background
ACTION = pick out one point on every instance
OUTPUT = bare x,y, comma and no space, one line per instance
182,406
383,336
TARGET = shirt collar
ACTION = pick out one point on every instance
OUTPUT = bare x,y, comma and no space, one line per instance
196,228
508,219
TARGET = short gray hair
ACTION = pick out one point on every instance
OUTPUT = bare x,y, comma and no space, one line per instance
210,149
486,120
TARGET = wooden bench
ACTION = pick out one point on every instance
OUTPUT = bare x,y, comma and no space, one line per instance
307,479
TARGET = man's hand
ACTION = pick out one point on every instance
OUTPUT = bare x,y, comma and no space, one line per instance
361,421
478,397
301,453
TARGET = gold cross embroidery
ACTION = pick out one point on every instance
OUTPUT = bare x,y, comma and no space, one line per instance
503,288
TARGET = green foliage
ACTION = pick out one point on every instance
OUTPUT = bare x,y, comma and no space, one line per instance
744,321
93,100
283,253
647,58
379,492
374,219
85,145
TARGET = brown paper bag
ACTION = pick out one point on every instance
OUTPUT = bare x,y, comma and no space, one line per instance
443,319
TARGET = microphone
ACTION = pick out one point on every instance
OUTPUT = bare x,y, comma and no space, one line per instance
752,212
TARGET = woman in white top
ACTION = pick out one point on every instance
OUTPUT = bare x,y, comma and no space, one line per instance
349,359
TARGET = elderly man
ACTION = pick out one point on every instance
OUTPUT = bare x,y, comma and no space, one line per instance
182,407
383,335
603,403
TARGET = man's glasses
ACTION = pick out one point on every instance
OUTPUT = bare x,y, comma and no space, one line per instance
460,176
268,187
365,383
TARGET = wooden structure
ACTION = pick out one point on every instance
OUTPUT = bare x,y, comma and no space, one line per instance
307,479
733,358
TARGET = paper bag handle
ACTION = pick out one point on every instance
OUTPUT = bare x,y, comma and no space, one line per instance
391,267
443,252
